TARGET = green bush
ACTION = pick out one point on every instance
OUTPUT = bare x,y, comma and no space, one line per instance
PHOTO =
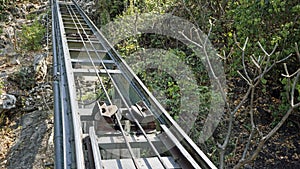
32,36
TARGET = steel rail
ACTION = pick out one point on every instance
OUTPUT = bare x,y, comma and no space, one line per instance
68,150
130,111
153,104
69,141
119,122
156,106
96,151
123,99
58,137
71,130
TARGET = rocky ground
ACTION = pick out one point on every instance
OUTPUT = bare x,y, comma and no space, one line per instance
26,120
26,117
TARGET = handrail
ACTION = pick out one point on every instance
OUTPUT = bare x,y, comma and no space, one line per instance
58,137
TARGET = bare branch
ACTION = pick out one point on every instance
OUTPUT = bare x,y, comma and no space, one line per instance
266,138
199,37
245,44
236,42
262,141
288,76
286,70
268,56
242,101
293,89
208,34
229,54
252,124
259,57
254,62
246,79
284,118
190,40
267,69
243,60
190,13
263,64
297,105
222,57
263,49
297,51
284,59
261,134
232,113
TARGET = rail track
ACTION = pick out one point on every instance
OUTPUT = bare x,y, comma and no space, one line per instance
104,116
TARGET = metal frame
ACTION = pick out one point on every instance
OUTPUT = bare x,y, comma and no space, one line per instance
66,111
68,131
155,106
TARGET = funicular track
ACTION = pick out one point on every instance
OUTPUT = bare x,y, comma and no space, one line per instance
104,116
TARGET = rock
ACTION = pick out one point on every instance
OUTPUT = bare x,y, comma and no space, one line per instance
9,32
38,97
11,55
38,59
9,50
88,6
30,7
15,11
9,17
8,101
34,147
14,59
3,42
40,67
3,74
2,46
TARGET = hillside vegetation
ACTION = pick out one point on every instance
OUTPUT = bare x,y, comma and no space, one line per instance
25,86
257,43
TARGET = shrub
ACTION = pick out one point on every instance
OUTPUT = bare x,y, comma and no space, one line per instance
32,36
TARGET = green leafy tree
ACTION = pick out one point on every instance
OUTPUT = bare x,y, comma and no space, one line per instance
269,22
